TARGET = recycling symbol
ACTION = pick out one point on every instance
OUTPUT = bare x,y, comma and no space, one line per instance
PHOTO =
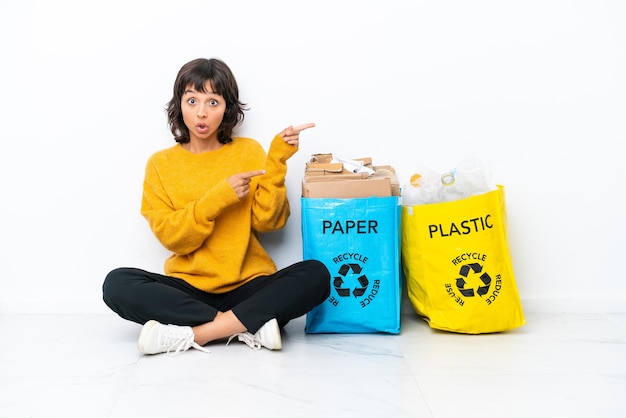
343,288
475,269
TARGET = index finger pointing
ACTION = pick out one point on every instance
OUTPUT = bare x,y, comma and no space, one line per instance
303,127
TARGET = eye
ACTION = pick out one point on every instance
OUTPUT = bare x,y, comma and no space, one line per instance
213,102
191,101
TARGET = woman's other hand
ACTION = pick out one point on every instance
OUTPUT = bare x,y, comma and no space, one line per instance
291,135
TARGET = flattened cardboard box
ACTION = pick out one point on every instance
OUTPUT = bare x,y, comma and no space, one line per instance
347,188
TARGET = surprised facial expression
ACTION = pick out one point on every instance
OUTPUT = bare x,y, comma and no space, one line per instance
202,112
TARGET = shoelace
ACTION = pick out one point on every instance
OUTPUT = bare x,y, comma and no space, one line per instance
247,338
177,342
199,347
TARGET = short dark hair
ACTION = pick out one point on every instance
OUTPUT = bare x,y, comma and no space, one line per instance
196,73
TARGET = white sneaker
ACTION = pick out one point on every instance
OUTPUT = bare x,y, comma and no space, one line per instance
158,338
267,336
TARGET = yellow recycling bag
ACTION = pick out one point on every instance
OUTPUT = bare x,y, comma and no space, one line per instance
457,265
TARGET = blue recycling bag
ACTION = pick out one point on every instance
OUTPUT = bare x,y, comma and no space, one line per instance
358,239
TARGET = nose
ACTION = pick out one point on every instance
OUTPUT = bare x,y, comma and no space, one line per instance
201,111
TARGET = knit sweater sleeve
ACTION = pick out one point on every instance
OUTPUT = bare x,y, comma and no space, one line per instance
182,230
270,209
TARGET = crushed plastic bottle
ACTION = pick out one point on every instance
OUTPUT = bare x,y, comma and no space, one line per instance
469,178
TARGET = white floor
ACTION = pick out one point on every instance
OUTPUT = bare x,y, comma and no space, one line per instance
557,365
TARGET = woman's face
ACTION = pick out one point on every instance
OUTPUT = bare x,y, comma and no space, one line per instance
202,113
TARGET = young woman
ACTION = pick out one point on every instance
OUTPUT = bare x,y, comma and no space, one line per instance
207,199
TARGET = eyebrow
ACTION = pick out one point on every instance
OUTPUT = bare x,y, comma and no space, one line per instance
192,91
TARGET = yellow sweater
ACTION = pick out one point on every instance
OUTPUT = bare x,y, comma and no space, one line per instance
194,212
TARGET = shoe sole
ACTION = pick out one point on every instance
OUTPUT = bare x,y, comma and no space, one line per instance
143,335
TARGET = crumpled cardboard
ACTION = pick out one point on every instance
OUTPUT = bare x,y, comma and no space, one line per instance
325,176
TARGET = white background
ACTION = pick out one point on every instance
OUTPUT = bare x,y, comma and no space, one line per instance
536,89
